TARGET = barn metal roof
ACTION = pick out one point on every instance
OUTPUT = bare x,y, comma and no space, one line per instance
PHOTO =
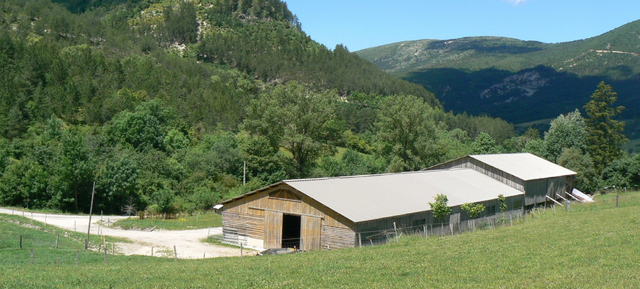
524,166
371,197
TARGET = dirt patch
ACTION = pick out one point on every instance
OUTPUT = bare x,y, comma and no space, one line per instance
187,243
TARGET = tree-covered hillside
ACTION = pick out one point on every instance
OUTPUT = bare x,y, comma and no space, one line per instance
161,103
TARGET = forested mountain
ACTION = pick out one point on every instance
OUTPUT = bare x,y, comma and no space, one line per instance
161,102
520,81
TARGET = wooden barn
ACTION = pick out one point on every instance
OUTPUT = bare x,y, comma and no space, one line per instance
313,214
533,175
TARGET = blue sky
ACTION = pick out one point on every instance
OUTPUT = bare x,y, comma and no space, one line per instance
360,24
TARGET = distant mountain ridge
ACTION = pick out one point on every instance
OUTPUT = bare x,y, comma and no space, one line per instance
520,81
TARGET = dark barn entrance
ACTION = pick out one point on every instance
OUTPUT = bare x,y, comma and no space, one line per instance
290,231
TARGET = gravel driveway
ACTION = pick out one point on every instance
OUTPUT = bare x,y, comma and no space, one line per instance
187,242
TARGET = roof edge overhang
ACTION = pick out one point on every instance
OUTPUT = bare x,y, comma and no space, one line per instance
252,192
283,182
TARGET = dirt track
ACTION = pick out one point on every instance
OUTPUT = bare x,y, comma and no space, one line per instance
187,242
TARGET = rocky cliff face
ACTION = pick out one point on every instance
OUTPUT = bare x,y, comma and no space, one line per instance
522,84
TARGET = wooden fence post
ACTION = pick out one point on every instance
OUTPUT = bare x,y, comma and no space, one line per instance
175,254
20,241
77,256
31,257
425,232
106,259
396,230
151,251
617,200
451,227
359,240
241,249
57,240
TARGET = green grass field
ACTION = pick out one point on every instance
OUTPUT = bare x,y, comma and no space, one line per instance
592,246
197,221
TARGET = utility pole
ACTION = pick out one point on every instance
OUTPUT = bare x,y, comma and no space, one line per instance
93,192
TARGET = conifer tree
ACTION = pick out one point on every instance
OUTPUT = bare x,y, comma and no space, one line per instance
605,136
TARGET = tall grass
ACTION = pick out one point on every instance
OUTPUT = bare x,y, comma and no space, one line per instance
591,246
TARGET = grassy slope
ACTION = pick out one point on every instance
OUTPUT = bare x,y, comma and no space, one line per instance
593,246
197,221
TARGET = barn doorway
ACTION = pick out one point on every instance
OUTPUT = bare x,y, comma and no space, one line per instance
290,231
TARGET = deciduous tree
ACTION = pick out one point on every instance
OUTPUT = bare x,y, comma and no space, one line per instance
298,119
406,134
439,207
566,131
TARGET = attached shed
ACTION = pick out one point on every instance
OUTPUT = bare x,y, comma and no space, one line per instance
533,175
330,212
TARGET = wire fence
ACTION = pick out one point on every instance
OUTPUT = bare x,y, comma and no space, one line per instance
379,237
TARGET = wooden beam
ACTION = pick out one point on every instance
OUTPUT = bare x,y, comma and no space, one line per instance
288,213
550,198
572,196
559,196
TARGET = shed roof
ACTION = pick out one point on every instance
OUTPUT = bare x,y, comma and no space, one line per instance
371,197
524,166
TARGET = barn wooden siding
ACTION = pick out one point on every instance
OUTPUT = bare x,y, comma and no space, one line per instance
259,216
535,190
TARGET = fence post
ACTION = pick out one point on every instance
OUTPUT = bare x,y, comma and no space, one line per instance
57,240
359,240
451,227
151,251
175,254
77,256
20,241
241,249
106,259
425,231
511,219
617,200
396,230
31,257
